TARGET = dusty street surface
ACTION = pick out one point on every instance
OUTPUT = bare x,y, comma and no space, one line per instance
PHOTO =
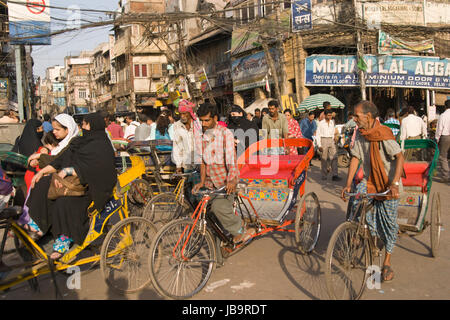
271,268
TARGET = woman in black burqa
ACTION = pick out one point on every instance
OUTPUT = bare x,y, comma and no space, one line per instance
30,139
91,158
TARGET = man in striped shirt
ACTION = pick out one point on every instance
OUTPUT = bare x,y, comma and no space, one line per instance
219,169
390,119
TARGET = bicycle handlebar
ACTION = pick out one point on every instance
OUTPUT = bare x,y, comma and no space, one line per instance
367,195
220,191
176,175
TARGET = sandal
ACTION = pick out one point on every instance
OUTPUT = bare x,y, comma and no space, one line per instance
60,247
245,236
387,274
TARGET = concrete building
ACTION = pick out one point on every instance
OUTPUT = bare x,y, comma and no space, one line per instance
333,33
101,77
140,66
79,84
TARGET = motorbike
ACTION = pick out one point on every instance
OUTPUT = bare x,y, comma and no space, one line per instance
343,150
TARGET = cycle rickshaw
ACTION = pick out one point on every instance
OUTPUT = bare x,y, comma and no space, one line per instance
352,249
158,183
185,251
117,242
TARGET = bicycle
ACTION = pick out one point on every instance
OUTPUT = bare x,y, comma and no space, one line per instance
168,206
123,242
351,251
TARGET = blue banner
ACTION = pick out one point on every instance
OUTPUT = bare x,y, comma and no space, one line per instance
19,31
380,71
301,15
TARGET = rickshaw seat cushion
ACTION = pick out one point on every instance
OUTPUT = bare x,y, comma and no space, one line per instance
416,174
286,165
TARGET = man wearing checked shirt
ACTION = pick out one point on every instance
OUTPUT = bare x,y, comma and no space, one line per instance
219,169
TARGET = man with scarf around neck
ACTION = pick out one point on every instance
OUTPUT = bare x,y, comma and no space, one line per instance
382,161
245,131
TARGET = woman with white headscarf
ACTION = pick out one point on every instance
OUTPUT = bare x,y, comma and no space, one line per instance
65,129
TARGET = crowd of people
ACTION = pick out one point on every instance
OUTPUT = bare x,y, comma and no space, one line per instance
202,139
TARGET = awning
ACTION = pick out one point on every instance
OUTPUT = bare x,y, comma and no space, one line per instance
257,104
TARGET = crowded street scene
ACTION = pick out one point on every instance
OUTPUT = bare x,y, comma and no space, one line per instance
225,153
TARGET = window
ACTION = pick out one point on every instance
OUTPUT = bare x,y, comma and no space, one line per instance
82,94
266,7
140,71
156,70
246,11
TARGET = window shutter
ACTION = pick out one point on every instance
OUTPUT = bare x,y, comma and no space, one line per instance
137,74
144,70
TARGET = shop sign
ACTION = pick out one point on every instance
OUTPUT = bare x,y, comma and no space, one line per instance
29,22
250,71
4,88
380,71
301,15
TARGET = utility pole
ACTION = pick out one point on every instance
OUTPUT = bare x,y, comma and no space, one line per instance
360,53
18,56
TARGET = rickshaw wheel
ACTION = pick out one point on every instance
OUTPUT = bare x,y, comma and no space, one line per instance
307,223
164,208
435,229
124,255
177,276
347,259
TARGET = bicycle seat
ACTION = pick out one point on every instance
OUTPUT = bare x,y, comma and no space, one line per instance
11,212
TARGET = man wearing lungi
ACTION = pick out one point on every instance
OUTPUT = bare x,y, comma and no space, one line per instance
382,161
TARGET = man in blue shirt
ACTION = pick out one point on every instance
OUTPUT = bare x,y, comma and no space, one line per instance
47,125
308,126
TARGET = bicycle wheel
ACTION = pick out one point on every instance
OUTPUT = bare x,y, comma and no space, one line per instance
164,208
124,255
435,230
347,259
178,273
307,223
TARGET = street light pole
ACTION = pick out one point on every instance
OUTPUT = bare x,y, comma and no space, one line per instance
360,54
18,56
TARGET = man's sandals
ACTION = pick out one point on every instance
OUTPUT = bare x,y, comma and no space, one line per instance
387,274
245,236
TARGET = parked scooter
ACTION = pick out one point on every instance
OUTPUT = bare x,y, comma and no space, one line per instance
343,151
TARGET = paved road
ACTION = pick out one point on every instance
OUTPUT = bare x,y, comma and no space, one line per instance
271,268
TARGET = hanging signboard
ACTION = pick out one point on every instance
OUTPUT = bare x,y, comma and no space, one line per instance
250,71
381,71
29,19
390,45
301,15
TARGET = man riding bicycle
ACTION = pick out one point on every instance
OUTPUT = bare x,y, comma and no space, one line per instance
219,169
382,161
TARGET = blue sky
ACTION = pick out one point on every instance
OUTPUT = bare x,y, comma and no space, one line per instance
72,42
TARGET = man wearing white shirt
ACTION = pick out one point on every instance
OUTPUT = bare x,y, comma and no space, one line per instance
132,125
443,139
325,134
185,132
412,127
